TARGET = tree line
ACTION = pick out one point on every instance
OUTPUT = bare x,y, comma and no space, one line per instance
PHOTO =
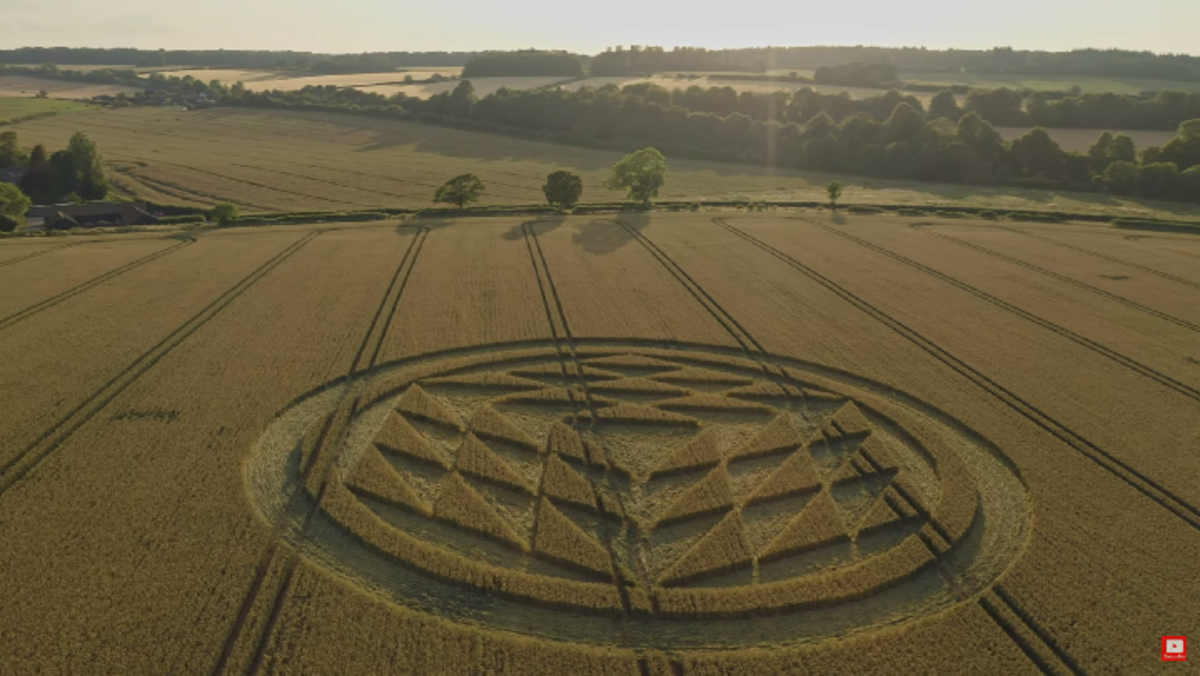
227,58
999,60
640,175
889,136
530,62
645,59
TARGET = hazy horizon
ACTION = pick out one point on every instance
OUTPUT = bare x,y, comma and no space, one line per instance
1162,26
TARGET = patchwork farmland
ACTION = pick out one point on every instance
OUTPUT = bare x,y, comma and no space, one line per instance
275,160
701,443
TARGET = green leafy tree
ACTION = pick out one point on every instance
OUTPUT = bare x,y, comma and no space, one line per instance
1122,149
13,205
80,168
40,182
224,213
460,190
10,151
945,105
563,189
642,174
1036,154
1098,152
835,192
1121,177
979,135
904,125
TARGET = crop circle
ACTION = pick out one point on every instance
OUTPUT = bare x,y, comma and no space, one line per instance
664,496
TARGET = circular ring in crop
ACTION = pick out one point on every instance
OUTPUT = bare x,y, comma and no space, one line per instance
634,494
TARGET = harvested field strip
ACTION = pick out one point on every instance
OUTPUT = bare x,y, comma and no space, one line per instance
321,459
8,321
1064,278
1143,484
1135,366
1107,257
25,286
11,254
16,468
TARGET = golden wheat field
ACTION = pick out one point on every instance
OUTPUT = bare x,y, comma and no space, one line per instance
270,160
647,443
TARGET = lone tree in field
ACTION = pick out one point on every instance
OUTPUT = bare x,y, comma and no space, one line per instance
641,173
224,213
563,189
835,191
460,190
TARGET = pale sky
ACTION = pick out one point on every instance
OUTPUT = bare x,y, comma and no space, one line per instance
589,27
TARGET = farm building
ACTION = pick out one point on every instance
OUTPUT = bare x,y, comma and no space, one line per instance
12,175
64,216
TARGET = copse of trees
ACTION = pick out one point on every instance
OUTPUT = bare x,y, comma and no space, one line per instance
638,59
521,63
73,174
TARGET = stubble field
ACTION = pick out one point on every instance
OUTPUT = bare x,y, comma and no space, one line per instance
301,161
648,444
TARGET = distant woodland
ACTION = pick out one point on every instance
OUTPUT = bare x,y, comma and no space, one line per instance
637,59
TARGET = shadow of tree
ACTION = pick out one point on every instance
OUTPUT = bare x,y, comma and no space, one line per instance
541,225
602,236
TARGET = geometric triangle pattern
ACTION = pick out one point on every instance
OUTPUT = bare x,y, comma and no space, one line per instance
642,470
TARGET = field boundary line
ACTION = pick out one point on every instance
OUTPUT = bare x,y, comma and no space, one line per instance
1106,460
50,440
25,313
1113,355
323,456
35,254
1064,278
1097,254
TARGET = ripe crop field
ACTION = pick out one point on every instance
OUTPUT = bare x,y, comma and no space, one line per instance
700,443
298,161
